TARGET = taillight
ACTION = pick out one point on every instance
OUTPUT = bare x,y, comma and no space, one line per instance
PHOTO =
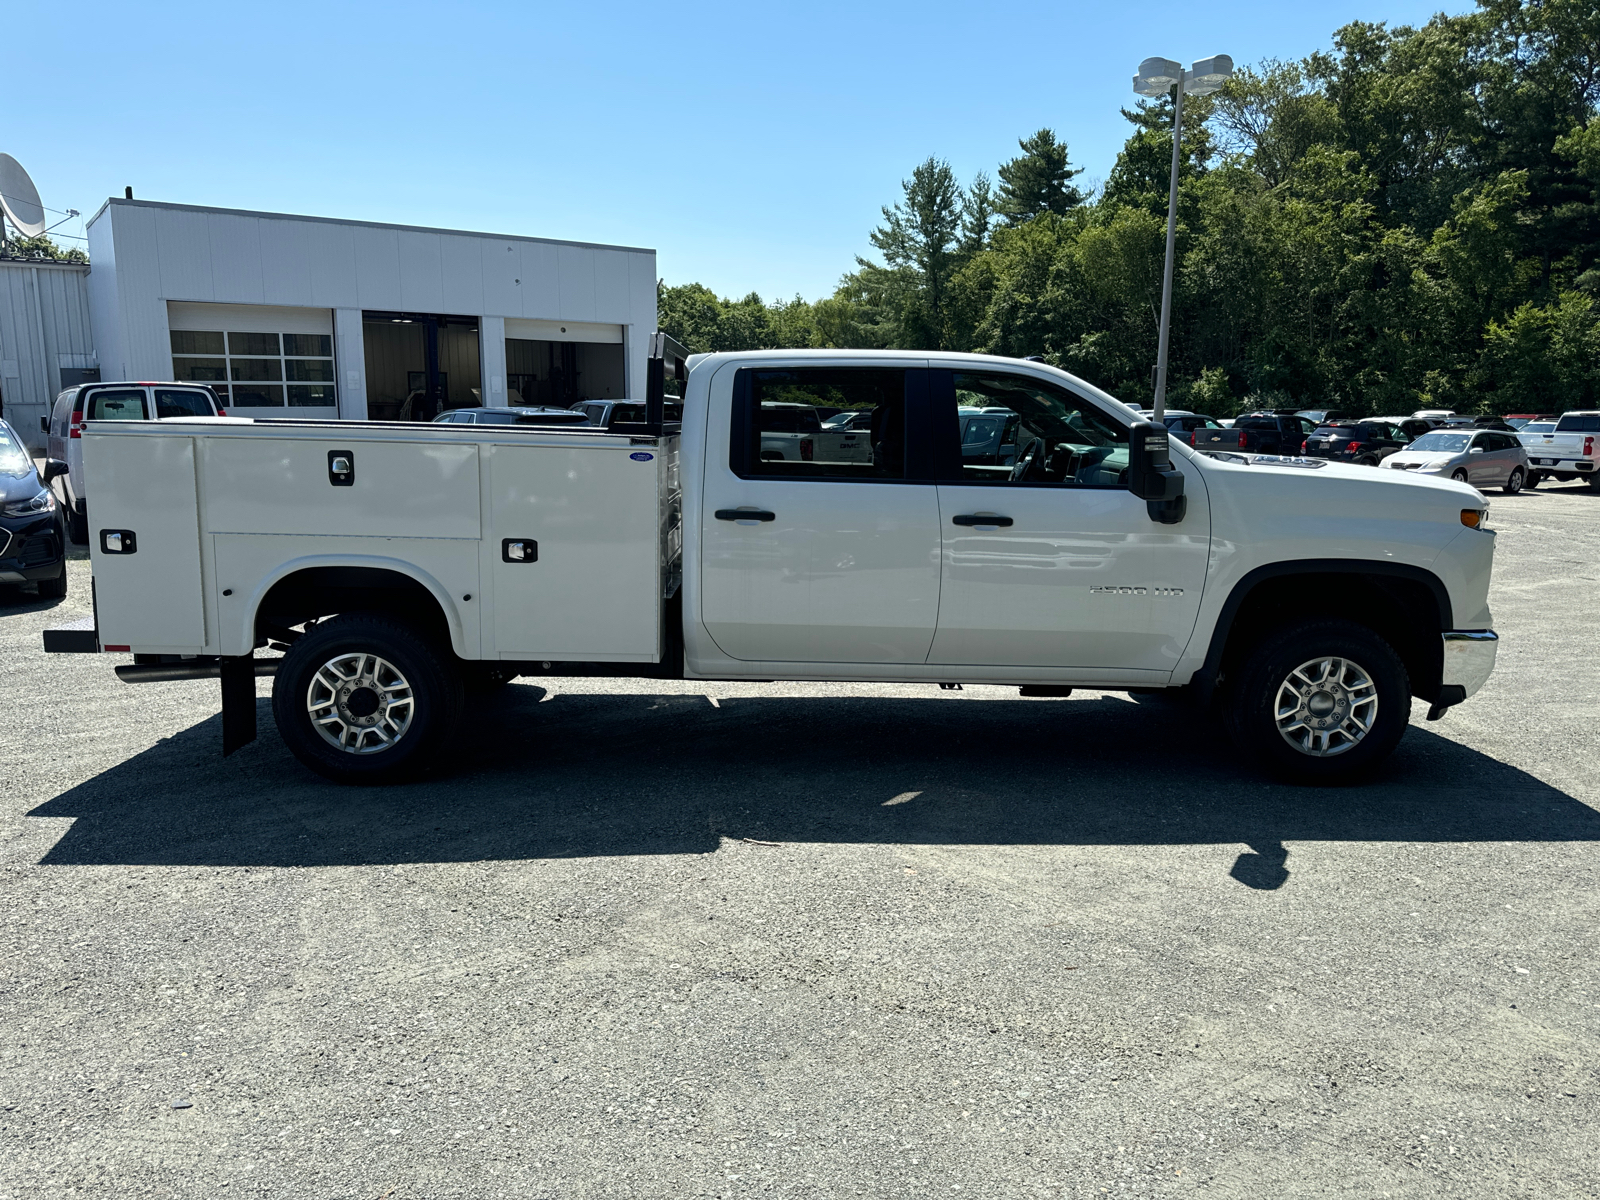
222,412
1191,437
1304,444
1588,446
1353,448
805,450
75,429
1243,437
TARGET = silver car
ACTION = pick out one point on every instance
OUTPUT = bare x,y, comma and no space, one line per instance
1486,458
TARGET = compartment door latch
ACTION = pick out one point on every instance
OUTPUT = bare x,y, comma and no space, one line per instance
342,468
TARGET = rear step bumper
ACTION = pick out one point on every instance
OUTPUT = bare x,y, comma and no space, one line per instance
75,637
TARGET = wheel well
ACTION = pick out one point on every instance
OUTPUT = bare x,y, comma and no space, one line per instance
1404,611
318,592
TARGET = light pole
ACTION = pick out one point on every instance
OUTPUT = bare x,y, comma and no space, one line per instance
1156,77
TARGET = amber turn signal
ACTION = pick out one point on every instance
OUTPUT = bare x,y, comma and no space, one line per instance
1472,518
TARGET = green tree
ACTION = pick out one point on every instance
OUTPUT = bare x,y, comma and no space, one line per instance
1038,181
44,248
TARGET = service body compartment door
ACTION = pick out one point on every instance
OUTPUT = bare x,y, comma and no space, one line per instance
574,551
258,484
151,595
839,560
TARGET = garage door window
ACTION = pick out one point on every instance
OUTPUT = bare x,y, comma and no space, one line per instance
258,370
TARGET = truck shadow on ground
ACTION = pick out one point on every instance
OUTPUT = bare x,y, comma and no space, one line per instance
580,775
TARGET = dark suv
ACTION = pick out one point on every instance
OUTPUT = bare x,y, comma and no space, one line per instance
1365,443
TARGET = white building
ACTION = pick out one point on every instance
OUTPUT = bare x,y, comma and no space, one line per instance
305,316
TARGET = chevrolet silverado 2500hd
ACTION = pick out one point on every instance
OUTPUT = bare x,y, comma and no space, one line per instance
396,564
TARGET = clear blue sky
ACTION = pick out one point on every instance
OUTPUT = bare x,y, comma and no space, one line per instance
751,144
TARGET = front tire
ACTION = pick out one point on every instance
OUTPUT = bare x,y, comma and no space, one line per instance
1459,476
55,589
1321,701
1514,483
366,699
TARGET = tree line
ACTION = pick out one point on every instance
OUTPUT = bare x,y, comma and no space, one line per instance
1410,220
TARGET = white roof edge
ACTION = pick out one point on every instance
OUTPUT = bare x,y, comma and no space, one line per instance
276,216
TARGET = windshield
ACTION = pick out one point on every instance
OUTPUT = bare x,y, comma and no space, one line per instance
1345,431
1446,443
1538,427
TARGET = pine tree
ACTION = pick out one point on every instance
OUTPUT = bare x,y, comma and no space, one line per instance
1039,180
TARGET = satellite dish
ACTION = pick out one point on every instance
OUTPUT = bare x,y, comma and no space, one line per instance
19,199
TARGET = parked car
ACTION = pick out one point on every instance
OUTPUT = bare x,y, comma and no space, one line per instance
519,415
1485,458
111,402
1493,423
1265,433
1326,416
1518,421
605,413
1534,428
1365,443
1412,427
1184,423
1569,451
854,419
33,531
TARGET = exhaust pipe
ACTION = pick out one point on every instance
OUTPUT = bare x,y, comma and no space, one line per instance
166,672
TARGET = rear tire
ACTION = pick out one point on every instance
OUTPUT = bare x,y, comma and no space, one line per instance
1514,482
1534,480
1320,701
366,699
55,589
1593,481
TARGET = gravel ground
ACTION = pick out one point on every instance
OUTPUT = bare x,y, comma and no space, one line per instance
804,940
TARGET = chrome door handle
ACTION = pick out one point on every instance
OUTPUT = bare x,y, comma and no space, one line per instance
745,514
977,519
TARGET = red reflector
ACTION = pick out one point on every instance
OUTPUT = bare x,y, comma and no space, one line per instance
124,649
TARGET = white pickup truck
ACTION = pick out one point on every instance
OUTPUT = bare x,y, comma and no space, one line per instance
1569,451
395,566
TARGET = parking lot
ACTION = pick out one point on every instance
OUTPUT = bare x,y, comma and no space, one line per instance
808,940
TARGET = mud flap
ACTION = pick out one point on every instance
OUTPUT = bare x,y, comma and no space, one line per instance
238,703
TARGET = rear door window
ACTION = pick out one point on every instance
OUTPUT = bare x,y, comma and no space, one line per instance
778,426
182,402
117,404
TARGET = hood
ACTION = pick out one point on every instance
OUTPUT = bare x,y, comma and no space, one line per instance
1424,458
19,480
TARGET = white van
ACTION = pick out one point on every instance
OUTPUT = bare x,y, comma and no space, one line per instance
112,402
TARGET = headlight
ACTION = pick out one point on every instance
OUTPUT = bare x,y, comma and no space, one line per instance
44,502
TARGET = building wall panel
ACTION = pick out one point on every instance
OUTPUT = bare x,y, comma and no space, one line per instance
576,268
421,287
377,266
333,264
541,291
285,261
183,246
461,274
236,259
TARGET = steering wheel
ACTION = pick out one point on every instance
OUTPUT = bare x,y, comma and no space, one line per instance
1025,463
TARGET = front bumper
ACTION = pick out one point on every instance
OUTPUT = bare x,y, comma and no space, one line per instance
1469,656
31,548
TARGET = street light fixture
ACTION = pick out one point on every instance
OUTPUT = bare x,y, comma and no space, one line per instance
1157,77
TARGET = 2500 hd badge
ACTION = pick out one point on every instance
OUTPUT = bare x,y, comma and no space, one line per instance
1136,591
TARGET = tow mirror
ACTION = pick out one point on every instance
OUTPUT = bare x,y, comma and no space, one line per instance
54,468
1151,475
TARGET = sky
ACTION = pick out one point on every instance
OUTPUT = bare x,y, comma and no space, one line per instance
751,145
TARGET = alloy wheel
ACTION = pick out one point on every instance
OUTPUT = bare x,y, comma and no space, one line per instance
1326,706
360,703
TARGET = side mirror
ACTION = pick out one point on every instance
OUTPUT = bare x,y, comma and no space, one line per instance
1475,450
1151,476
53,467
